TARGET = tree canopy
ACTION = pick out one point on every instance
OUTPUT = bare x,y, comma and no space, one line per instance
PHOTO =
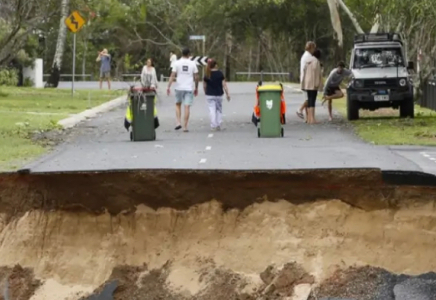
244,34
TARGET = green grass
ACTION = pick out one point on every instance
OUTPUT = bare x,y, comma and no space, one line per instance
384,127
27,111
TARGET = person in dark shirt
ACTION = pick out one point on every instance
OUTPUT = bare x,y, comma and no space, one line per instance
214,85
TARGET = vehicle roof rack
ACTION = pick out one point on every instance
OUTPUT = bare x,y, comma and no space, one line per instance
378,37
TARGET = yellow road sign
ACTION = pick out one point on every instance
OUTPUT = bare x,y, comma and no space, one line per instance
74,22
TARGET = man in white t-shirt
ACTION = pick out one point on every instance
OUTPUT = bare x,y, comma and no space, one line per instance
173,59
310,49
187,73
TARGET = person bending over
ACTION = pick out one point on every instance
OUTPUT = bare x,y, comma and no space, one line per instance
332,88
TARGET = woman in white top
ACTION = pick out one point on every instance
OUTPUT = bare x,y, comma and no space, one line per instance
148,75
310,49
173,59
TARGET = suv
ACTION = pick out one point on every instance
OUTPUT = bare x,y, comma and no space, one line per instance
380,76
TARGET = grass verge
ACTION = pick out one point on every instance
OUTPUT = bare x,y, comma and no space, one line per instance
384,127
27,112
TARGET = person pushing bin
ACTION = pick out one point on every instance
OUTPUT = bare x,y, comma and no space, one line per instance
141,114
270,110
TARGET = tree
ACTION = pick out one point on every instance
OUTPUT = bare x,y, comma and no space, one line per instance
19,20
53,81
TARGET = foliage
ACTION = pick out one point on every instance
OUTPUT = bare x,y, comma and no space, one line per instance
9,77
20,24
28,82
384,127
268,35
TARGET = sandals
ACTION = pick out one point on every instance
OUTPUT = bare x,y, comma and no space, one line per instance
300,115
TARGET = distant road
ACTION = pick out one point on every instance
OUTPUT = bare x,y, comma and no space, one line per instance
86,85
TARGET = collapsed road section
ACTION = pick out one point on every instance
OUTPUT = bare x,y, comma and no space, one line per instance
178,234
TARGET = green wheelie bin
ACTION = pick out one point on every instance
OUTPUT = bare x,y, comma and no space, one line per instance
271,110
143,114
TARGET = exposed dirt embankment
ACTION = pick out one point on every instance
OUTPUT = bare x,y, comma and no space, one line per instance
174,245
122,191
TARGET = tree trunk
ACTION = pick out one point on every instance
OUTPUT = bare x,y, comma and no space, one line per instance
250,53
53,81
228,53
351,15
62,35
336,21
85,50
258,56
376,25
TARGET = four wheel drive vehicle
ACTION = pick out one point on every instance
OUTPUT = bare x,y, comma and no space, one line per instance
380,75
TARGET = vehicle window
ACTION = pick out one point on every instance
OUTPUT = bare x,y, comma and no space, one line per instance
378,57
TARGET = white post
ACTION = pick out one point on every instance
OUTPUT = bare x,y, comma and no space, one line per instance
74,64
35,73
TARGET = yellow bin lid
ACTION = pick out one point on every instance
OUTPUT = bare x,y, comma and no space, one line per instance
271,87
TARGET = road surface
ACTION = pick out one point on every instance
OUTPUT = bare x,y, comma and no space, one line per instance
103,143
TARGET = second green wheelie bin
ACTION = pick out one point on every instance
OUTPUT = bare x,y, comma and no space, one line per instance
270,104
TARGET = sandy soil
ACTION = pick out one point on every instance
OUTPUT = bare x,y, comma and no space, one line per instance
269,250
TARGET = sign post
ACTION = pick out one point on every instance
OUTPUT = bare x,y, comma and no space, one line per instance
201,38
74,23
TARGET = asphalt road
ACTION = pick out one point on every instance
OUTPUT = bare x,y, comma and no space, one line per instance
103,143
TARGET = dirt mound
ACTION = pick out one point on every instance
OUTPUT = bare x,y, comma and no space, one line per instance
17,283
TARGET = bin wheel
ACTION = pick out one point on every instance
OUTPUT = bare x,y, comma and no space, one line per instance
258,132
131,135
282,132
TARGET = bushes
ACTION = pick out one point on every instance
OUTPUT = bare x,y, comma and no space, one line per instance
28,82
9,77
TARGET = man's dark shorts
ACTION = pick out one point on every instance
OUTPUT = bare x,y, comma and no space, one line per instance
332,90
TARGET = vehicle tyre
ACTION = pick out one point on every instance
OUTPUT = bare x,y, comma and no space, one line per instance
258,132
352,109
407,108
282,132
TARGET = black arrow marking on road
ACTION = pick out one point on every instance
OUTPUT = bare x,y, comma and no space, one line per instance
73,21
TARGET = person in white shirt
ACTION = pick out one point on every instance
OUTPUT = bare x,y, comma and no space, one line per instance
173,59
187,73
148,75
310,49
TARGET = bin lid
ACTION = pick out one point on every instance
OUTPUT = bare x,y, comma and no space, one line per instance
270,87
